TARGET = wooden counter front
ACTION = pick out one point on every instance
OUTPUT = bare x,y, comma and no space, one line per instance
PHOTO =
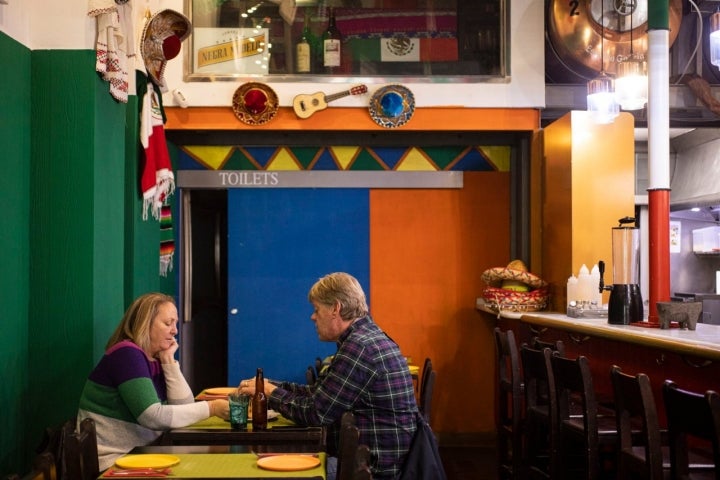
690,358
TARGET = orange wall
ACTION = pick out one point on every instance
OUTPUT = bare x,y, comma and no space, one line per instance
589,183
424,282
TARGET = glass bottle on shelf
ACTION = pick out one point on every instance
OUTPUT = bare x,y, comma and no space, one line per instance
332,38
259,403
304,48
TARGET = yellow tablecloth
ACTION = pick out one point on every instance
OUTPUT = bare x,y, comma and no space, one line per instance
233,466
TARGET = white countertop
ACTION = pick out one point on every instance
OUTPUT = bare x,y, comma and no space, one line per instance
702,342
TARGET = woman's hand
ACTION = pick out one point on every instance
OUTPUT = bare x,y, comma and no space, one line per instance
168,355
220,408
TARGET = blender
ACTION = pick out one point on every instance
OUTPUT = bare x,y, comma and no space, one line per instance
625,304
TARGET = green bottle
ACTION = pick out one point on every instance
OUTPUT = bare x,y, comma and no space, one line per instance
304,48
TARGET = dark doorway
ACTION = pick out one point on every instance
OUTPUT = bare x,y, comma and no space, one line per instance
204,336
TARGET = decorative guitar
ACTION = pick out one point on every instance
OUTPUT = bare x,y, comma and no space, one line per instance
305,105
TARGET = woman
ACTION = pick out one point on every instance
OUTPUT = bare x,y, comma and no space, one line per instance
137,390
367,376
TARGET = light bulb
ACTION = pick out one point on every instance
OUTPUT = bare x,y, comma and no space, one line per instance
601,102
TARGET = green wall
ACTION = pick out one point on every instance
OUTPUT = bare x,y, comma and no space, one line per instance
14,246
75,251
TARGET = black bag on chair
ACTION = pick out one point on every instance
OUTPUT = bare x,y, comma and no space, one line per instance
423,460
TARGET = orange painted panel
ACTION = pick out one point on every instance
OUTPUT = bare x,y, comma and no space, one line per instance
428,249
334,118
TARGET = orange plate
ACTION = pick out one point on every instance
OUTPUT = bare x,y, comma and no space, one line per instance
288,463
220,390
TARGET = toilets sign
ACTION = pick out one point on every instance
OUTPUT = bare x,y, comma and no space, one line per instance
223,179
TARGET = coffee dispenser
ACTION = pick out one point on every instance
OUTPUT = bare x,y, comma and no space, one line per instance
625,304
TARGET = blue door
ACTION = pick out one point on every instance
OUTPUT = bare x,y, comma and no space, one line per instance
280,241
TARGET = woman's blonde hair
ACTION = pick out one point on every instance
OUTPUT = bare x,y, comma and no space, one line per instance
343,288
135,324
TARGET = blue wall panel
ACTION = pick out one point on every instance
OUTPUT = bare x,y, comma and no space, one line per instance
280,242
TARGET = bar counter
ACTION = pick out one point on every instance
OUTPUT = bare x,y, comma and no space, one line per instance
689,357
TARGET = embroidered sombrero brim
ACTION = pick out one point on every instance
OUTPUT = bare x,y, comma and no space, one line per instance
495,276
161,40
392,106
255,103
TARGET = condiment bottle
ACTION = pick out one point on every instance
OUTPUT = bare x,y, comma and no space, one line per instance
259,403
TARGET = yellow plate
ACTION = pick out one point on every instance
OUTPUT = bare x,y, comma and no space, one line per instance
220,390
288,463
150,460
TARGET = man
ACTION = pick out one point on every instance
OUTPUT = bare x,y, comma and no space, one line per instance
367,376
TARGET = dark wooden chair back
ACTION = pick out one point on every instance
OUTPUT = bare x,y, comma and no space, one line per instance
362,463
580,437
691,415
53,443
81,453
639,456
347,447
556,346
427,368
310,375
540,427
509,400
427,395
43,468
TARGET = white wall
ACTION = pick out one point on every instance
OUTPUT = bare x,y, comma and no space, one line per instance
63,24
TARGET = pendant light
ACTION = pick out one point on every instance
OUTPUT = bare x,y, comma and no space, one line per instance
631,85
601,89
715,38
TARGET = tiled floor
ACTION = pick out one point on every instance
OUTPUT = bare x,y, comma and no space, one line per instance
469,463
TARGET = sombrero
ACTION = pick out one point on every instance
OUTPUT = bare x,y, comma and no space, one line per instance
161,40
255,103
495,277
392,106
513,288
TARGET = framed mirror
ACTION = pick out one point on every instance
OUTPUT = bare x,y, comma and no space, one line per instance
427,40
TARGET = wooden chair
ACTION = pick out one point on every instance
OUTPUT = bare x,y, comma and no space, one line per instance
310,376
691,416
586,443
509,393
540,435
427,387
43,468
80,452
556,346
362,463
639,456
347,447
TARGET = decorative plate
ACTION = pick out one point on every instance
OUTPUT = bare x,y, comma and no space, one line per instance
220,390
255,103
392,106
288,463
149,460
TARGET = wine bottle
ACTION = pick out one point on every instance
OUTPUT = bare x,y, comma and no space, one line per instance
304,48
332,39
259,403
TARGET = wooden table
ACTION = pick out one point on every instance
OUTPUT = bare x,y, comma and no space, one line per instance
215,431
236,462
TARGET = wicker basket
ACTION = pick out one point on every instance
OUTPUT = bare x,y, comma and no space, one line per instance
499,299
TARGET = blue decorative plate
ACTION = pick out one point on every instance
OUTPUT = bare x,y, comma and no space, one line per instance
392,106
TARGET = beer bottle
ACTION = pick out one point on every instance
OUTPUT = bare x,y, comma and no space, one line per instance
259,403
332,39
